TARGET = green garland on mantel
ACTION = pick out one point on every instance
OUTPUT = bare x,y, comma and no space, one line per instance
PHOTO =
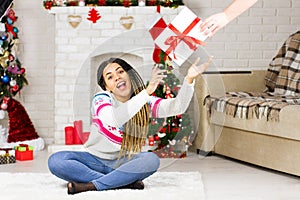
48,4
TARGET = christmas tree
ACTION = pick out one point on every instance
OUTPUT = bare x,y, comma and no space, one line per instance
12,80
12,73
172,134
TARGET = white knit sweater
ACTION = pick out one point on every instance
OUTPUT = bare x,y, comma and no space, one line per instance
109,115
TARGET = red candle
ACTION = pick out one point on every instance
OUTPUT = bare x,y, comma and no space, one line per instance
69,131
77,132
85,136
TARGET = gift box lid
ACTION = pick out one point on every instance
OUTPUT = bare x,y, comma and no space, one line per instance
24,147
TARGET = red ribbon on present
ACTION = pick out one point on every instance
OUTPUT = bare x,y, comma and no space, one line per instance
173,41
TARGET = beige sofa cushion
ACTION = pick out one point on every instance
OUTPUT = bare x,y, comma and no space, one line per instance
288,125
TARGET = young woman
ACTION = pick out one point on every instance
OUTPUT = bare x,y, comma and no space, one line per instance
120,116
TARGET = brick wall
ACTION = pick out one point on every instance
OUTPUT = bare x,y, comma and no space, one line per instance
53,63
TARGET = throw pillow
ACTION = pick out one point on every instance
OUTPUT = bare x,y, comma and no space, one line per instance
288,79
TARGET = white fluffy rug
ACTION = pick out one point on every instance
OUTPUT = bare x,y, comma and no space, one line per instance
44,186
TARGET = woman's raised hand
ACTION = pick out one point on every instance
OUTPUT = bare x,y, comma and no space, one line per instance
156,78
196,70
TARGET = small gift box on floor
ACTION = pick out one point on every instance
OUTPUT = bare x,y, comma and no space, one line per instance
7,158
181,37
24,152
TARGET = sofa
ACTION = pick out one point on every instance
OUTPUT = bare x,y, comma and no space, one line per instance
265,132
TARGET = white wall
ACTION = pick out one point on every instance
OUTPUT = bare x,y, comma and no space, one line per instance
249,42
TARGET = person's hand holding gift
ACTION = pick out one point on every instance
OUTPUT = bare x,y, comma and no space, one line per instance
215,22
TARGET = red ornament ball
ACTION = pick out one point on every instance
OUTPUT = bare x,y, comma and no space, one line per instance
22,70
15,88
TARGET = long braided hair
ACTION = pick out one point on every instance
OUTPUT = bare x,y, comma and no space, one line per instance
135,130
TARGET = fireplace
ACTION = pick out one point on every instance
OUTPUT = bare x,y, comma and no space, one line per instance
79,50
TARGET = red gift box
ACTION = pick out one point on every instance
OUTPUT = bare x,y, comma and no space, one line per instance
181,37
24,152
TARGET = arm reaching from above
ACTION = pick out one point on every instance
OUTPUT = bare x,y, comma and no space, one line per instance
215,22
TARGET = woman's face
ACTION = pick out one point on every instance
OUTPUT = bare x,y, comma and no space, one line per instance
117,81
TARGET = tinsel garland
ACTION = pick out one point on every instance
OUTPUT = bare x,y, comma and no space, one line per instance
20,126
48,4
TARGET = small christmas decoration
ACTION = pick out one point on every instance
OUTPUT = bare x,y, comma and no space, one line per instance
20,125
126,21
48,4
24,152
81,3
7,158
142,2
93,15
101,2
74,20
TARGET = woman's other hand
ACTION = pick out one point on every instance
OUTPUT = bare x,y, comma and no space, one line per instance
196,70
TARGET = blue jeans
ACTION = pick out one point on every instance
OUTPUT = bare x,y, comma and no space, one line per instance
84,167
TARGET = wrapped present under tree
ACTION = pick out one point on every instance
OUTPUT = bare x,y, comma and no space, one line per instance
24,152
7,158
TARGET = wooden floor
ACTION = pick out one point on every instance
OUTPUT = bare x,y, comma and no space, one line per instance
223,179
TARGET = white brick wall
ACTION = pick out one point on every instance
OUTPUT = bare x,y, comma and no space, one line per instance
248,42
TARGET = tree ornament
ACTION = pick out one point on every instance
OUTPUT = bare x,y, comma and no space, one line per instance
161,135
22,70
10,29
142,2
12,15
4,103
11,57
156,137
126,21
4,59
168,92
126,3
2,27
93,15
101,2
14,69
4,36
3,106
152,2
74,20
5,78
15,88
12,82
48,4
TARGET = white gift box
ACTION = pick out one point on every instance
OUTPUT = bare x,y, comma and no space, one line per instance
182,36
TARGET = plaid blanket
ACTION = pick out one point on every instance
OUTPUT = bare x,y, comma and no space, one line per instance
283,75
248,105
